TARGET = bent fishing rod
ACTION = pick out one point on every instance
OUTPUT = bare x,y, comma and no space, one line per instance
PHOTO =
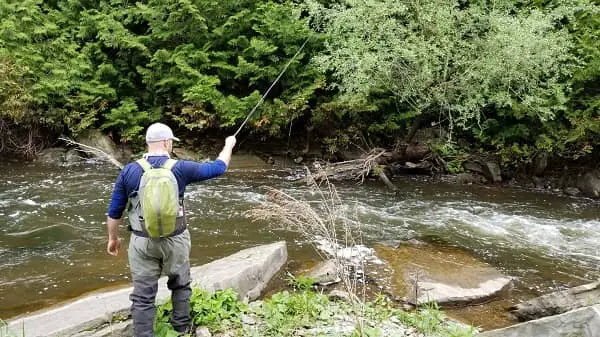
262,99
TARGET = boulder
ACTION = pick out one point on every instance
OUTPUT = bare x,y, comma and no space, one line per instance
325,273
488,168
491,170
583,322
98,140
589,184
445,275
558,302
572,191
52,155
247,272
473,166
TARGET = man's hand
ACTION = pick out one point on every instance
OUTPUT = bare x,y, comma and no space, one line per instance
225,154
230,142
114,243
113,246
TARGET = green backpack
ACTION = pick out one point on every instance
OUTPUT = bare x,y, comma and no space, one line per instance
159,199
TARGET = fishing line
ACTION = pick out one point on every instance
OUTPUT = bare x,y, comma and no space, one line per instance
271,87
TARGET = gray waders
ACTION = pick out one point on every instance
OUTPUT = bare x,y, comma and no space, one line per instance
148,259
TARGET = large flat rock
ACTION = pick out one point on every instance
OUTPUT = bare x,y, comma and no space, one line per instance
558,302
446,275
247,272
583,322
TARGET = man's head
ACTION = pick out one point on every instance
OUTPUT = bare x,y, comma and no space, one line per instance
159,138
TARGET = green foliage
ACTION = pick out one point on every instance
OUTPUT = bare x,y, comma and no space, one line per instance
471,65
218,311
285,312
453,155
301,282
518,78
431,321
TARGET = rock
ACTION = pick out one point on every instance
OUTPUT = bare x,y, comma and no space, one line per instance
187,154
467,178
247,272
558,302
203,332
248,320
339,295
589,184
445,275
572,191
538,182
491,170
540,163
98,140
52,155
298,160
325,273
583,322
416,151
473,166
73,157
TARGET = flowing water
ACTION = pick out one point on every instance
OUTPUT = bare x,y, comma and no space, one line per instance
53,237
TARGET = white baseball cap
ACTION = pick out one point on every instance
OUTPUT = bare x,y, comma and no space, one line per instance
159,131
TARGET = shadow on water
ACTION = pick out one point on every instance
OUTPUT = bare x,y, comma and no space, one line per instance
53,240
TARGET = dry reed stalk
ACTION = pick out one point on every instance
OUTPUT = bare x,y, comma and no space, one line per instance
93,151
327,219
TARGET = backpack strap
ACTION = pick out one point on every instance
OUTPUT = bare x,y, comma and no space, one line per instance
144,164
169,164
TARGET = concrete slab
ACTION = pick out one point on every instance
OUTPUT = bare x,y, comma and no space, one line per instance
247,272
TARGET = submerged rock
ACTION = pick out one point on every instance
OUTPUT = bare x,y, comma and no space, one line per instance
445,275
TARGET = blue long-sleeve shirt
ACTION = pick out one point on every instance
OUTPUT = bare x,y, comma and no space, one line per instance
185,171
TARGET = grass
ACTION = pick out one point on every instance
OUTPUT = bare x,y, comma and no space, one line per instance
301,308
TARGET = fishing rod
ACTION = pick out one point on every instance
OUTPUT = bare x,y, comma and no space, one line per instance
271,87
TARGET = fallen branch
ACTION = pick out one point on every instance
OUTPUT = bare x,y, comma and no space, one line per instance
356,169
93,151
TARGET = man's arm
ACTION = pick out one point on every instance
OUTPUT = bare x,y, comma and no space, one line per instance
114,242
117,205
192,171
225,154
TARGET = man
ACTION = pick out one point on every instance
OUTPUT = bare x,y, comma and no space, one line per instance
150,257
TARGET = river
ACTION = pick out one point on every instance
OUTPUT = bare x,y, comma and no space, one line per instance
53,237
